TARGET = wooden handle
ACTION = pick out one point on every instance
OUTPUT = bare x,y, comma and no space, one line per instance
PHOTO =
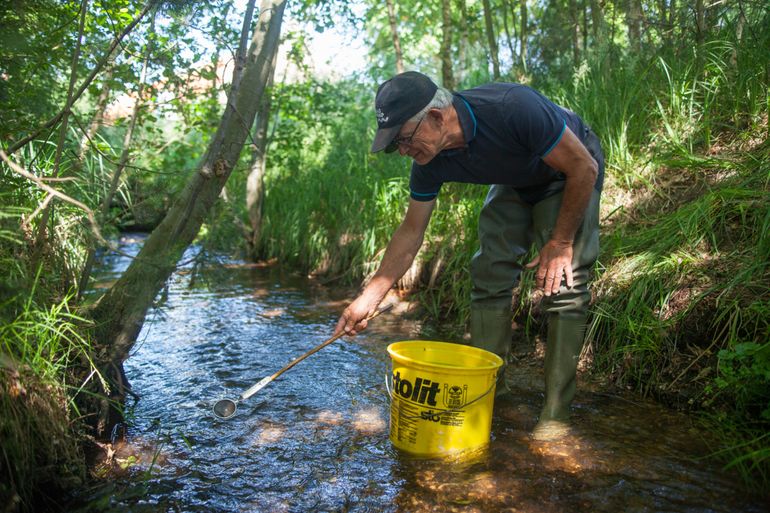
326,343
265,381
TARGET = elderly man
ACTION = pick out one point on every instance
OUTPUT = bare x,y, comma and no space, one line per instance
545,169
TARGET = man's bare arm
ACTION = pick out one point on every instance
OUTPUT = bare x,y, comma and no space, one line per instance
399,255
572,158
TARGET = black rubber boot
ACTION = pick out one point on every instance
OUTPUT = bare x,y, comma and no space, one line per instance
565,341
491,330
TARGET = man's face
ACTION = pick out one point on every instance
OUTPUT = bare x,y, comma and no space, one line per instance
419,140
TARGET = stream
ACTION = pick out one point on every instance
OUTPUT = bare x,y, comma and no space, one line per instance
316,439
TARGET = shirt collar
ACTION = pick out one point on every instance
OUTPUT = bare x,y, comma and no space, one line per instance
465,116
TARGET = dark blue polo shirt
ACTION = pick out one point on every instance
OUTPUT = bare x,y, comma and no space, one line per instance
508,129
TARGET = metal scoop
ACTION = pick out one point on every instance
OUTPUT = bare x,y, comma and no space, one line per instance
226,408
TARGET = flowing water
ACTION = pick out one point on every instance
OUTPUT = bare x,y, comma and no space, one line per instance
316,439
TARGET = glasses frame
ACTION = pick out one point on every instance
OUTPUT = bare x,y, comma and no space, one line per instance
407,141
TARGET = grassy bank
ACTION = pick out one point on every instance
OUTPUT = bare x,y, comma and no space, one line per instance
44,363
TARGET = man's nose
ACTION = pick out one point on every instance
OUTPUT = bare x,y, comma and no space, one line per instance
402,149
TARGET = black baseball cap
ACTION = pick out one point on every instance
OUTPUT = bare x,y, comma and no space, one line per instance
397,101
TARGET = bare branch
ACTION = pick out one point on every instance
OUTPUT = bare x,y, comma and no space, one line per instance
53,192
40,208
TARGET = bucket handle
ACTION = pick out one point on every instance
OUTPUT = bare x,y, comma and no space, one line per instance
440,412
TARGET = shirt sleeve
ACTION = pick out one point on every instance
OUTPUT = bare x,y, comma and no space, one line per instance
423,185
534,121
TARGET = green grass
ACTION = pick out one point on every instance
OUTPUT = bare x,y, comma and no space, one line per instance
45,356
42,349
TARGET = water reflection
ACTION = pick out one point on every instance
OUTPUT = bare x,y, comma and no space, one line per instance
316,439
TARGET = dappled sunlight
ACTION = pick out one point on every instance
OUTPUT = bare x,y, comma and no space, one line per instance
369,421
272,313
570,454
268,434
104,285
274,507
139,453
250,265
327,418
260,292
333,304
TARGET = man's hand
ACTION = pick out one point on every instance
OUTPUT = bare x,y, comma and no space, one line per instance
553,262
399,255
572,158
353,319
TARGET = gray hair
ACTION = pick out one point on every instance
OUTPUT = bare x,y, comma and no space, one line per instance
441,100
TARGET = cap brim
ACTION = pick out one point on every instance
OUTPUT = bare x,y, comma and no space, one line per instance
384,137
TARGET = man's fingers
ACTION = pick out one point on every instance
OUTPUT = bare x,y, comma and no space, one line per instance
346,324
340,325
361,326
553,266
551,283
556,282
350,327
550,277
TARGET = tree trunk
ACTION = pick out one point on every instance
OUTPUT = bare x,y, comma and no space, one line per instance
394,32
597,22
524,34
120,313
700,36
634,23
447,74
739,25
508,36
255,182
574,18
240,56
491,39
463,45
584,12
700,23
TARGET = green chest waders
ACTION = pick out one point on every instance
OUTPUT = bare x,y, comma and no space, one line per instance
507,228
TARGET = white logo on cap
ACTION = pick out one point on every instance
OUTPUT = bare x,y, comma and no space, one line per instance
381,117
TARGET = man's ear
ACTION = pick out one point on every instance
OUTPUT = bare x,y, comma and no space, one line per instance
437,116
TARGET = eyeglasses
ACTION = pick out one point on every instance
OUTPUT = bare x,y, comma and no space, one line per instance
395,143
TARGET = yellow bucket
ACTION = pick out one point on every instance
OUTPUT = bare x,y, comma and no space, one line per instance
441,396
